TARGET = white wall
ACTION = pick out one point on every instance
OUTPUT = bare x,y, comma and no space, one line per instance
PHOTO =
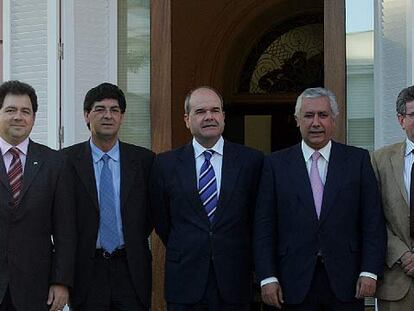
393,53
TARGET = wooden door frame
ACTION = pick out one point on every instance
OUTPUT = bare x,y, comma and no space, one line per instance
164,123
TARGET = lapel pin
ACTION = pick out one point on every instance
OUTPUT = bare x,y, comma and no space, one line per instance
35,163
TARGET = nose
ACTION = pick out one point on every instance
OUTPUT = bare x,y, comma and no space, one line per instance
107,114
315,120
17,115
208,115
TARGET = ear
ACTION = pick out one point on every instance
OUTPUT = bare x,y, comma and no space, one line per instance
297,121
187,120
401,120
86,116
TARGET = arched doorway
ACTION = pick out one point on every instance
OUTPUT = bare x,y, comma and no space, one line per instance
287,59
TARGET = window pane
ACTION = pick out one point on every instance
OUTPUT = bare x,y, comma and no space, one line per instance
134,69
360,73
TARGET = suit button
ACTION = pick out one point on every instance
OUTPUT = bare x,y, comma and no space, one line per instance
210,233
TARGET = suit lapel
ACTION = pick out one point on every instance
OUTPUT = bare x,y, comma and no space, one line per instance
336,167
33,163
3,175
397,162
129,168
86,173
301,180
186,172
229,174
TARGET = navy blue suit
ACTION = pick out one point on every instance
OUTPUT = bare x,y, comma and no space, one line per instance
192,243
350,234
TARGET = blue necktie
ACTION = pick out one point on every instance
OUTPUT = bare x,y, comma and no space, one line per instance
107,226
207,186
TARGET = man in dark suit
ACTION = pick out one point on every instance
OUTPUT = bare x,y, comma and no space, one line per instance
113,260
203,196
35,270
319,235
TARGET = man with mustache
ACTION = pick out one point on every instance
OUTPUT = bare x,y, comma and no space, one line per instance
319,235
113,260
203,196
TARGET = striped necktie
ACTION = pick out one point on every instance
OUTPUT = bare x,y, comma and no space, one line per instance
15,174
207,186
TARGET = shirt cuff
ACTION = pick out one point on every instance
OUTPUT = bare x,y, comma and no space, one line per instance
369,275
268,281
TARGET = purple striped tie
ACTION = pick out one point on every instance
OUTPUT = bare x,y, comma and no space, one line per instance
207,186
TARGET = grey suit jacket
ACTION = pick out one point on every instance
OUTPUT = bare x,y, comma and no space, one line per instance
388,164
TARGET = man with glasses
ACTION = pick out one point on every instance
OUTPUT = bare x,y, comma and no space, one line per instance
394,169
113,260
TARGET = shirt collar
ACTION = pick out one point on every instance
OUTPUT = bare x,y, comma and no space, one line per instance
308,151
23,146
199,149
97,153
409,146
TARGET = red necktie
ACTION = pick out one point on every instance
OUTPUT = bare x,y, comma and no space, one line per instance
15,174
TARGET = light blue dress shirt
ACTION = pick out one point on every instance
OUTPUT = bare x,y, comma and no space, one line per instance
115,167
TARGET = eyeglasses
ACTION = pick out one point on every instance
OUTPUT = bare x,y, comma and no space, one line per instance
409,115
103,110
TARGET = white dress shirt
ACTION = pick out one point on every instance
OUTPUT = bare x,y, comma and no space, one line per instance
408,162
216,160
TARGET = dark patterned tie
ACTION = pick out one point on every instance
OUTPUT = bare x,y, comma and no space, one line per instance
15,174
207,186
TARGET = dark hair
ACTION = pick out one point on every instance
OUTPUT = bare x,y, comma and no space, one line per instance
15,87
104,91
406,95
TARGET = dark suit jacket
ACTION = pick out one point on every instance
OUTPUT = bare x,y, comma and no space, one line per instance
29,261
192,243
350,232
136,164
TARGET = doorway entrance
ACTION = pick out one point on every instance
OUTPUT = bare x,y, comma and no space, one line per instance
287,59
221,44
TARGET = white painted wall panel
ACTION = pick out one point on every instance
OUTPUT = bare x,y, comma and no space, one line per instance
28,57
391,70
88,28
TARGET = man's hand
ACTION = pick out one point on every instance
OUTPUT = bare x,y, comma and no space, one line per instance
407,263
272,294
58,297
365,287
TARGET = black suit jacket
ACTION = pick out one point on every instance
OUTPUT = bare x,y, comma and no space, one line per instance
29,261
350,233
136,164
192,243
